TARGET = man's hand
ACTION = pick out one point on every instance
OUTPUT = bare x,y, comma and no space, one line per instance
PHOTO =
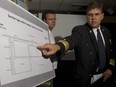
107,74
48,49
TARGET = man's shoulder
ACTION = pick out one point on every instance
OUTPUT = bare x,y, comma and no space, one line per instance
105,28
80,28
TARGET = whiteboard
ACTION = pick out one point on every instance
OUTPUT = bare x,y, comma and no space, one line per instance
21,64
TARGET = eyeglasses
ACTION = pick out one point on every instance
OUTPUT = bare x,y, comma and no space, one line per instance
96,14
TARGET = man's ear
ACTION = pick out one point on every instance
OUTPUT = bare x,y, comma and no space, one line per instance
44,20
102,16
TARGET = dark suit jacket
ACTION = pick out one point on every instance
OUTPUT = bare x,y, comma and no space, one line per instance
84,43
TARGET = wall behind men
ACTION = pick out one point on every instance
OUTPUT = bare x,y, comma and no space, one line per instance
65,23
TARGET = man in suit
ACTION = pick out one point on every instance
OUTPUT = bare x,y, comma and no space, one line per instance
89,63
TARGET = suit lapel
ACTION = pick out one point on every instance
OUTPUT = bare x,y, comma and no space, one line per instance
93,38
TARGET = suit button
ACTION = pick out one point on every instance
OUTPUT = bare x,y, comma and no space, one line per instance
93,63
90,75
90,53
87,44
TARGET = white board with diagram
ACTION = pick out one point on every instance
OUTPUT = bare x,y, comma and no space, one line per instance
21,64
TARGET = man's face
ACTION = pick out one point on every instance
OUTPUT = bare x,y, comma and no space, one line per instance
50,20
94,17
